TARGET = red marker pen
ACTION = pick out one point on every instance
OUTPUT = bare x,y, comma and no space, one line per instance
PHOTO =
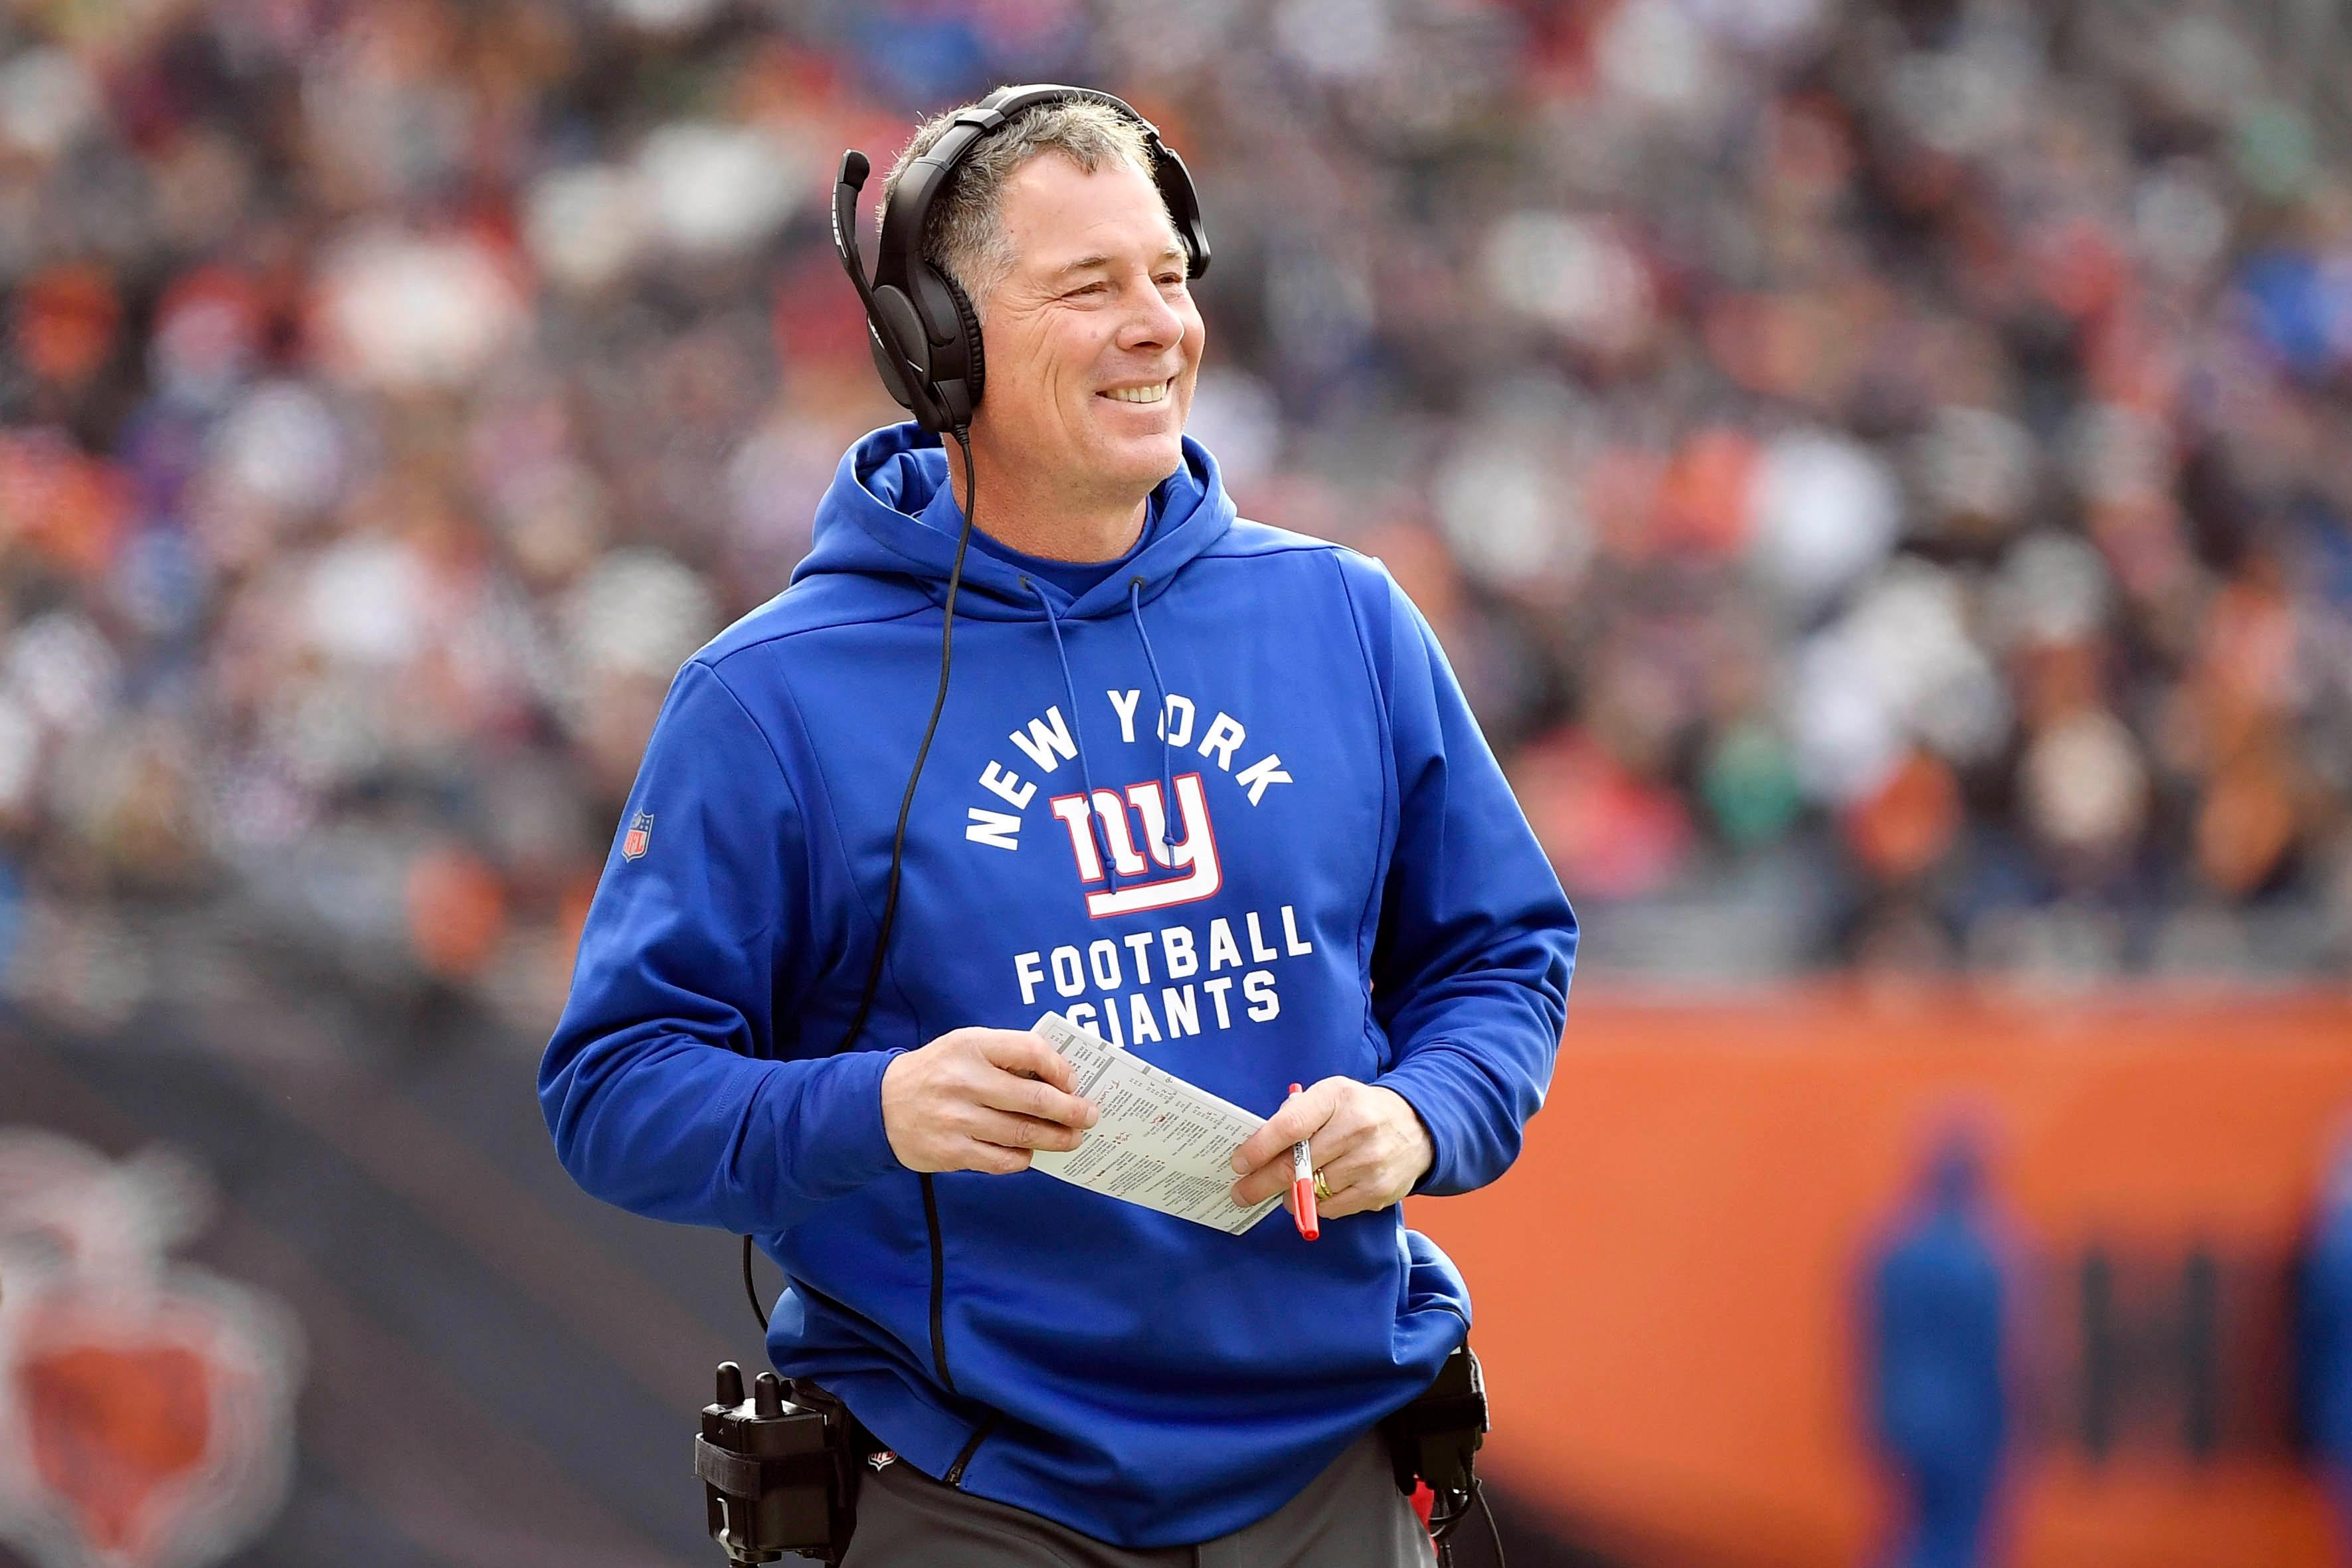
1302,1187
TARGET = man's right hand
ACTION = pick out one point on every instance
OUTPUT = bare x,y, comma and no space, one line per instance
982,1099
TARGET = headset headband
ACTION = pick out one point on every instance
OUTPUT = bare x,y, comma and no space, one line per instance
924,332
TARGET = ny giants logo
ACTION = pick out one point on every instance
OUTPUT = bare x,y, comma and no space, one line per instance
1178,873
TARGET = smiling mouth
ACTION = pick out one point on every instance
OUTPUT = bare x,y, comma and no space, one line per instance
1156,392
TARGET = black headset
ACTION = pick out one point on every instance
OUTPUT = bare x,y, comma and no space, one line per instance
925,334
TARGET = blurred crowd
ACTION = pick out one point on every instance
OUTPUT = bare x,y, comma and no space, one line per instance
1884,471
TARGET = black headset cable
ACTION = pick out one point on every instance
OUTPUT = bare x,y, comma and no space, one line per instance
906,802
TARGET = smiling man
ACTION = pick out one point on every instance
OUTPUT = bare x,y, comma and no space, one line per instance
1205,787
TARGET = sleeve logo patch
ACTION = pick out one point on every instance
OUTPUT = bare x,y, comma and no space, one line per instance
640,835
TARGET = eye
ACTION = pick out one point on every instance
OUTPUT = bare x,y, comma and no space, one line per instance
1170,280
1085,290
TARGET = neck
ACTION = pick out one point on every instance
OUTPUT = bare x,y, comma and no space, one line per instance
1032,513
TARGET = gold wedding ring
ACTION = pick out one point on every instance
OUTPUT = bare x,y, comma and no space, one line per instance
1322,1188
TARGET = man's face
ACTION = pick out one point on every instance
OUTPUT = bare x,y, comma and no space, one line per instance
1092,339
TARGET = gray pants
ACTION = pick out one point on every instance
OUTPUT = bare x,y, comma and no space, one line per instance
1350,1515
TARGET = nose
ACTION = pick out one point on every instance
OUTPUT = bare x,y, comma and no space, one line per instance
1152,323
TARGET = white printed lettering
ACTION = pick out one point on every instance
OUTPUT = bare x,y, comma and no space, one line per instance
1259,951
1176,734
1048,748
1031,974
1103,957
1141,1025
1223,737
1183,1009
1065,961
1126,711
1217,989
1265,771
1140,944
1258,986
1176,952
1007,787
1290,942
998,829
1224,952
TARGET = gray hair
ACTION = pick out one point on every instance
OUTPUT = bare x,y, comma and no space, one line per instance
962,235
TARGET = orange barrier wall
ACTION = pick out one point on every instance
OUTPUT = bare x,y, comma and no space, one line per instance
1666,1282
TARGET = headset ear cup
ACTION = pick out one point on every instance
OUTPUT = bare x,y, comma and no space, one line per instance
975,355
957,367
894,374
900,350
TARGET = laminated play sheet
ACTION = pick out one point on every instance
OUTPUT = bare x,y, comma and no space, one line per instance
1162,1142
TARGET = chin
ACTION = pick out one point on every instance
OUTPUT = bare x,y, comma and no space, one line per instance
1144,464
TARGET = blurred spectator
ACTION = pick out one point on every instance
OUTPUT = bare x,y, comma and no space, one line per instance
1938,1341
1880,471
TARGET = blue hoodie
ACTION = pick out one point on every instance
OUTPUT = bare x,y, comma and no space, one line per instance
1312,867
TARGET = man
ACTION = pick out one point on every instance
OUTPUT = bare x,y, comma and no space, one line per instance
2323,1336
1205,787
1939,1398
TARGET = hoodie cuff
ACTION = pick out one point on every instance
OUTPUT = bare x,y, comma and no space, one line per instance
1420,1082
838,1139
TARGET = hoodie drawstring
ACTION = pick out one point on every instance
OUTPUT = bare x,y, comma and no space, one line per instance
1167,767
1078,734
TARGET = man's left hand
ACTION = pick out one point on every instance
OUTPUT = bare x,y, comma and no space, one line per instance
1367,1143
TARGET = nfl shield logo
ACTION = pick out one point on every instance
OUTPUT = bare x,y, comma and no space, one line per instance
640,834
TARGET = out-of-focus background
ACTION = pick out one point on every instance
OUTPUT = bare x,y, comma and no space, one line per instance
1882,471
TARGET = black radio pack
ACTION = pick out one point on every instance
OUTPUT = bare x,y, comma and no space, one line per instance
1436,1439
778,1473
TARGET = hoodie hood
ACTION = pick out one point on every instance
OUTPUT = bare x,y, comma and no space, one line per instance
890,513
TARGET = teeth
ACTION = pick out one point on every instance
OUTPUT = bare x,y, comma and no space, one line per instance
1139,394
